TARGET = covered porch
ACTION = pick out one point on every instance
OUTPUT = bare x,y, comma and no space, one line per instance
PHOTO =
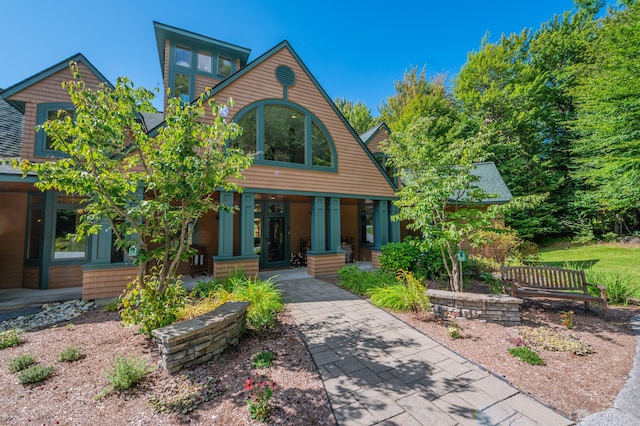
269,230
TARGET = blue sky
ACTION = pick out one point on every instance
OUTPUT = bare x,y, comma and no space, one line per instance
355,49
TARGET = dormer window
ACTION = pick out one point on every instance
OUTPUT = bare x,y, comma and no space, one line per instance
46,112
183,56
204,62
224,66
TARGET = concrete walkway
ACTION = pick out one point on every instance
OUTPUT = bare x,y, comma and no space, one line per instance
378,370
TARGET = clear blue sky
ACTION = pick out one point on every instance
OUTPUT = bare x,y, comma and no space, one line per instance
355,49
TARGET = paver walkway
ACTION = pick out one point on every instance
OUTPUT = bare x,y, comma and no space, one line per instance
378,370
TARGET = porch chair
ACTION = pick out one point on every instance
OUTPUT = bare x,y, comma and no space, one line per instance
200,262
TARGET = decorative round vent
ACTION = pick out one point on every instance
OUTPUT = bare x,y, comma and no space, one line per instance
285,75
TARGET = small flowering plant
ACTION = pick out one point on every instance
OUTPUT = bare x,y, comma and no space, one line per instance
567,319
258,401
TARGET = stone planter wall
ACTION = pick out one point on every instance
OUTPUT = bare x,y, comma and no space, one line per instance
499,308
188,343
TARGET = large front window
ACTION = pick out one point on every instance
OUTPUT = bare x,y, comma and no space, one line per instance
284,133
284,138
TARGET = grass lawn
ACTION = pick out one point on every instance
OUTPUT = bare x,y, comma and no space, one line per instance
599,257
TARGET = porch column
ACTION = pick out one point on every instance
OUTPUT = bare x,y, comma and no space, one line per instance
247,209
334,224
394,225
380,223
318,229
225,226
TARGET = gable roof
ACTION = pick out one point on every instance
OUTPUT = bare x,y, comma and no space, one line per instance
490,181
369,134
285,45
64,64
11,128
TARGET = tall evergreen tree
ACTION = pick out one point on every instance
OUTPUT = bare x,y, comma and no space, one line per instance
608,97
520,90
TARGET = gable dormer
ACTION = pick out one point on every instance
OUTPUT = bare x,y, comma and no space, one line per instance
191,62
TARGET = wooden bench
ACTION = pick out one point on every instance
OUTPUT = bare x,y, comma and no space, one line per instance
554,283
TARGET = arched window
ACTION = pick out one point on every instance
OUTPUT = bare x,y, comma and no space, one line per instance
287,134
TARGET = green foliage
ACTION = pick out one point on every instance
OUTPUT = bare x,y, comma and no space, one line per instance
148,308
607,153
185,397
519,88
454,330
551,340
413,255
112,306
266,300
360,282
357,114
70,354
407,294
125,373
495,285
526,354
436,153
262,359
10,338
20,362
112,161
35,373
619,285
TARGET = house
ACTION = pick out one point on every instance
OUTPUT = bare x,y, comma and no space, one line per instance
314,184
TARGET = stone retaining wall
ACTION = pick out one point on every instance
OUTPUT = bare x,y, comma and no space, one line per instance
499,308
188,343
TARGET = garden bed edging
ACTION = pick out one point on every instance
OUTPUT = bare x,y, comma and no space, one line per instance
499,308
192,342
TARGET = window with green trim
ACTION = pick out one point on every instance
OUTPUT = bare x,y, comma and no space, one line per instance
224,66
283,132
46,112
67,216
182,86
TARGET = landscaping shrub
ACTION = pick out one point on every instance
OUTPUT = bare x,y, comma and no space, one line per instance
70,354
406,294
619,285
125,373
145,307
550,340
495,284
526,354
35,373
20,362
266,300
262,359
360,282
112,306
9,338
404,256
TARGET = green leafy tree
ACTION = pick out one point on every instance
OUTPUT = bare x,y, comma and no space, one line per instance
150,189
435,156
608,151
357,114
519,89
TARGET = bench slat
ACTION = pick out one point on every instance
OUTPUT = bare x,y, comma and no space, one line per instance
540,281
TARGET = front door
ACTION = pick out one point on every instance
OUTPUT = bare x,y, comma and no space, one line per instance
272,233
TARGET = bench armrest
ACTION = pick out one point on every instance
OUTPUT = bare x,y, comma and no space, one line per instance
602,288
